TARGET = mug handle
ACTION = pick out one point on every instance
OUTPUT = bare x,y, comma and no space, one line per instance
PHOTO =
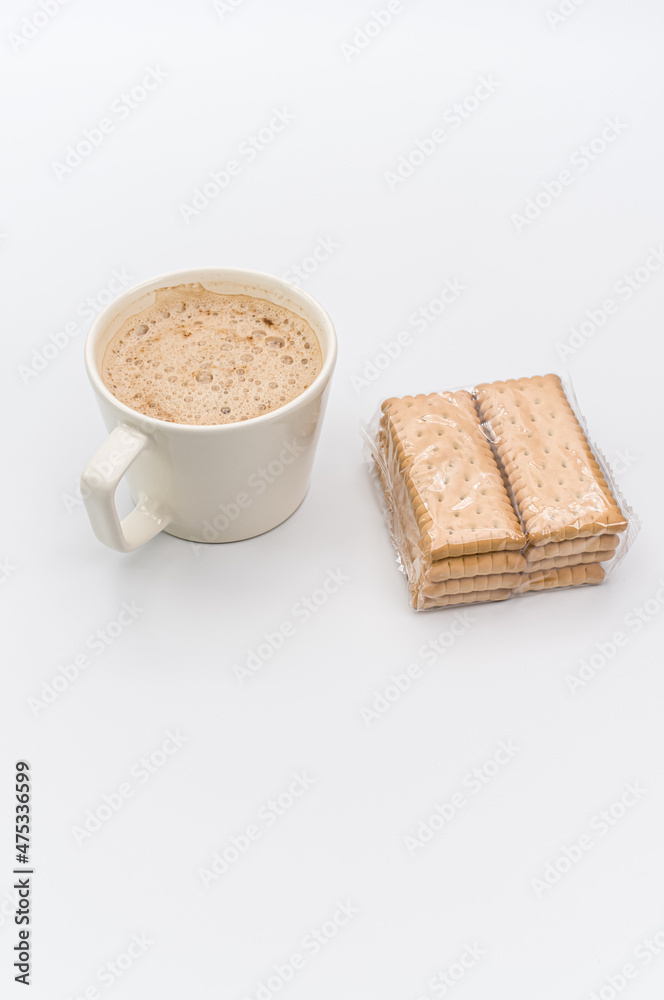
99,483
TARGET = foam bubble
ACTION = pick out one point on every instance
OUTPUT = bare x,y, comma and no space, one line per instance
154,365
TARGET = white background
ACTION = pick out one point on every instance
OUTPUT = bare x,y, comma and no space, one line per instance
205,608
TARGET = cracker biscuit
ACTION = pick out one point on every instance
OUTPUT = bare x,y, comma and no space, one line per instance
572,547
494,570
571,576
404,534
453,487
468,584
404,526
475,597
554,478
580,559
483,565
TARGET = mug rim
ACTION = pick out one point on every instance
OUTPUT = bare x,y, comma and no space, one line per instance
240,274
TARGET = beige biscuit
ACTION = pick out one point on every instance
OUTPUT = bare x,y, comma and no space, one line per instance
404,526
483,565
475,597
556,482
580,559
572,547
468,584
450,483
597,549
571,576
403,529
464,574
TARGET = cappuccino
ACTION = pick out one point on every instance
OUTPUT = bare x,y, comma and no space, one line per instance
202,357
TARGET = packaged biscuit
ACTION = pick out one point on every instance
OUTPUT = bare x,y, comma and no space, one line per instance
496,491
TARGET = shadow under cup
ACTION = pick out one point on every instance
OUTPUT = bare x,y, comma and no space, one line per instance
204,483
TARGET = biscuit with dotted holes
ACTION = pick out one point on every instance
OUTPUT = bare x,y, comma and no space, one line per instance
489,570
468,584
485,564
579,559
449,600
572,547
571,576
403,529
452,484
556,483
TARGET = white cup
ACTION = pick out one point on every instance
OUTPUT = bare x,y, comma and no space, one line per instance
208,483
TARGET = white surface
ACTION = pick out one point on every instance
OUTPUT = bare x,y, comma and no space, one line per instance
205,608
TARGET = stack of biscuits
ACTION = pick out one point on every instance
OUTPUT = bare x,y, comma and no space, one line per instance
494,492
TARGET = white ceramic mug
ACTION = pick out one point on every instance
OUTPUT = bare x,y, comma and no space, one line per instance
207,483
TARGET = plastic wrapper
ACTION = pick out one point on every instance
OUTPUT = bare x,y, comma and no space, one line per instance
495,491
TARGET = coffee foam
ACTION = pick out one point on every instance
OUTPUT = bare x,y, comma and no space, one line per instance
201,357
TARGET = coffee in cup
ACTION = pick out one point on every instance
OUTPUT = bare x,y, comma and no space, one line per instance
202,357
193,469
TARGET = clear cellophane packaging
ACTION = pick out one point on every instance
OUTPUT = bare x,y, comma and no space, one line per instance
496,491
